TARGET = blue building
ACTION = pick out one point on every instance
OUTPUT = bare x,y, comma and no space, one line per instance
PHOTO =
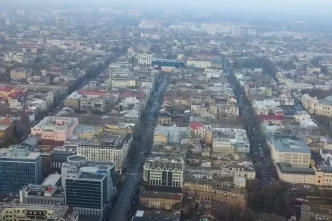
19,167
89,187
168,63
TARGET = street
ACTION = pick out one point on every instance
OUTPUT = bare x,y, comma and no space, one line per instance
133,173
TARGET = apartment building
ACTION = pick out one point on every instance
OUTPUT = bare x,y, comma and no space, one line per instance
163,171
11,212
109,149
320,107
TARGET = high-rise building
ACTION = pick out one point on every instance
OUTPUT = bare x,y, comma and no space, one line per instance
19,167
88,187
163,171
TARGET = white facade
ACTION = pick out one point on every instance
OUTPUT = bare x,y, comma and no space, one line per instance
162,171
105,154
144,60
14,57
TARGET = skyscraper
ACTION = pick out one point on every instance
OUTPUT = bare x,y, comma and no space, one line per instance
89,187
19,167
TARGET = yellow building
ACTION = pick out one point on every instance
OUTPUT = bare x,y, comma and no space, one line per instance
19,74
320,107
160,200
312,176
203,190
85,132
160,138
118,128
29,212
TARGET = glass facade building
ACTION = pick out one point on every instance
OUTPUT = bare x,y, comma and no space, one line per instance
86,193
19,167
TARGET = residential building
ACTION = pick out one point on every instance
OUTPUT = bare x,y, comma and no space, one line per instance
229,140
320,107
14,57
204,190
20,74
163,171
109,149
55,128
143,60
159,200
18,167
289,149
11,212
171,134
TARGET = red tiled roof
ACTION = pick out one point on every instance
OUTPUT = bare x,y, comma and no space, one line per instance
15,94
5,88
195,126
127,94
6,121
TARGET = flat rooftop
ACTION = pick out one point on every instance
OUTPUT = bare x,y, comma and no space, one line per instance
285,143
287,168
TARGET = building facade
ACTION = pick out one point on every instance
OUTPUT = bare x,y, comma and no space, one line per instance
160,171
55,128
289,149
21,211
18,167
88,187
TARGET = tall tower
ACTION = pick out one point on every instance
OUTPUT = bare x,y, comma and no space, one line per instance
176,35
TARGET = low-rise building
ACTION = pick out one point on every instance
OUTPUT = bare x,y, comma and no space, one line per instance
289,149
20,74
55,128
10,212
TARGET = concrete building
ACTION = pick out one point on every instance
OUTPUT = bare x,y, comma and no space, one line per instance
171,134
55,128
110,149
229,140
21,211
289,149
41,194
204,190
14,57
18,167
160,200
296,175
320,107
78,176
162,171
20,74
143,60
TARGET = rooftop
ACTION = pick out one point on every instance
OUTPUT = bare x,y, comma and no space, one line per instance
285,143
287,168
326,101
58,212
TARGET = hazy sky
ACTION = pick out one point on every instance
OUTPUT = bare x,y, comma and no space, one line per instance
319,10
